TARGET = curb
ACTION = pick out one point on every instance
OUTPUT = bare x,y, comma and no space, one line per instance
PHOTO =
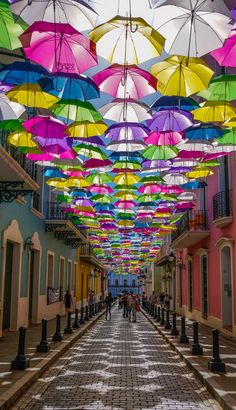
226,402
8,398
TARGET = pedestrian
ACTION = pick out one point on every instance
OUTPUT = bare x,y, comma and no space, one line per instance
108,303
167,302
153,297
68,301
133,308
162,299
125,305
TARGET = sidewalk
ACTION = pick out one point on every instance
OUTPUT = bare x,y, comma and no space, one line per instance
221,385
14,382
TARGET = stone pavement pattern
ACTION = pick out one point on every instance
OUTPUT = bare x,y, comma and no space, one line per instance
119,365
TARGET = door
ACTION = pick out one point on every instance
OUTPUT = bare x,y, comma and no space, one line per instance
31,283
204,275
8,286
180,286
227,315
190,285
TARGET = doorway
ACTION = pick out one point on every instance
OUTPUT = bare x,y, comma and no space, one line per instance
8,286
227,314
190,285
204,281
31,284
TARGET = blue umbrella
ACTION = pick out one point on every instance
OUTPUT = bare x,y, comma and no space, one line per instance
206,131
80,193
103,207
70,86
52,173
126,156
194,185
20,72
182,103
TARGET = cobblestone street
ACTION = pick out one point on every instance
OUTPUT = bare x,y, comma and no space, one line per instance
118,365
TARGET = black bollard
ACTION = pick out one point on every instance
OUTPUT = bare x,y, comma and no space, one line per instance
82,316
162,321
167,325
196,348
155,312
215,364
183,337
21,362
93,309
57,337
68,329
90,312
43,346
158,314
76,324
86,317
174,330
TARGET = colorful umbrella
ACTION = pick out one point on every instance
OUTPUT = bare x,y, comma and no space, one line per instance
86,129
221,88
192,27
20,72
225,55
10,30
127,40
21,140
9,110
182,76
125,81
160,152
67,50
45,126
31,95
78,14
214,111
170,120
125,110
164,138
181,103
76,110
203,132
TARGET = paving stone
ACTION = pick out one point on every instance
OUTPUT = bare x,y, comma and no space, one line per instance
119,365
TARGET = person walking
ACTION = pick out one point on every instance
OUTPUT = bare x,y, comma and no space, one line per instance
162,299
108,303
68,301
133,307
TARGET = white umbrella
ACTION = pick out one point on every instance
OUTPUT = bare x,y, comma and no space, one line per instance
77,13
175,179
126,110
187,196
124,146
203,146
9,110
193,27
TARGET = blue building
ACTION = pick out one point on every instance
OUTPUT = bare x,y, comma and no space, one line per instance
123,283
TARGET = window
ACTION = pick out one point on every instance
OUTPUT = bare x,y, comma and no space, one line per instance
116,283
69,275
50,269
133,283
190,285
125,283
61,274
204,284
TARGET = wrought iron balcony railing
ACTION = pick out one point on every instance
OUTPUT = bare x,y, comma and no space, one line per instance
191,221
222,204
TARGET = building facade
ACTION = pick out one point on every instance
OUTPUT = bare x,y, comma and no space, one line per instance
118,284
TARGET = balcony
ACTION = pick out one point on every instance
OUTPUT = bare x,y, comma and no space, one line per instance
192,229
57,222
87,255
222,209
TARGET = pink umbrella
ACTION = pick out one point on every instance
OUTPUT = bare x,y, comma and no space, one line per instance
41,157
97,163
69,154
45,126
172,189
226,55
125,81
83,202
125,204
58,47
150,189
190,154
100,189
164,138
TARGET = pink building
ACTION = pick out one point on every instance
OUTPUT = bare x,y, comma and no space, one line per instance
204,280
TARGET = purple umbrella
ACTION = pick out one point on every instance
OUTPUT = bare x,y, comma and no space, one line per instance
53,145
127,131
90,140
170,120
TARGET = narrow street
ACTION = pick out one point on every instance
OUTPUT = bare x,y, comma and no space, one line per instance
119,365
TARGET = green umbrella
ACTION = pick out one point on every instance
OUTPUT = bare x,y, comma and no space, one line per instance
89,151
160,152
229,137
64,198
169,197
97,178
127,165
76,110
151,179
102,199
148,198
10,30
125,187
12,125
221,88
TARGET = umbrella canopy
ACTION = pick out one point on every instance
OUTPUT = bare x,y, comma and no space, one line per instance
126,179
67,50
77,13
125,81
181,103
76,110
154,152
31,95
202,132
193,27
21,139
214,111
68,86
10,30
127,131
178,75
164,138
124,145
125,110
9,110
86,129
170,120
221,88
127,40
20,72
225,55
45,126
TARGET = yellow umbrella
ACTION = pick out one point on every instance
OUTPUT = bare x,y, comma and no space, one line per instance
214,111
31,95
125,223
56,182
178,75
86,129
21,139
126,179
127,40
231,122
78,182
199,172
125,196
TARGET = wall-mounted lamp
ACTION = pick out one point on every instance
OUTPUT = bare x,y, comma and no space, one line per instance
29,244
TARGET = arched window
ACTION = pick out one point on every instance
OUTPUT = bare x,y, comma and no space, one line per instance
133,283
116,283
125,283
